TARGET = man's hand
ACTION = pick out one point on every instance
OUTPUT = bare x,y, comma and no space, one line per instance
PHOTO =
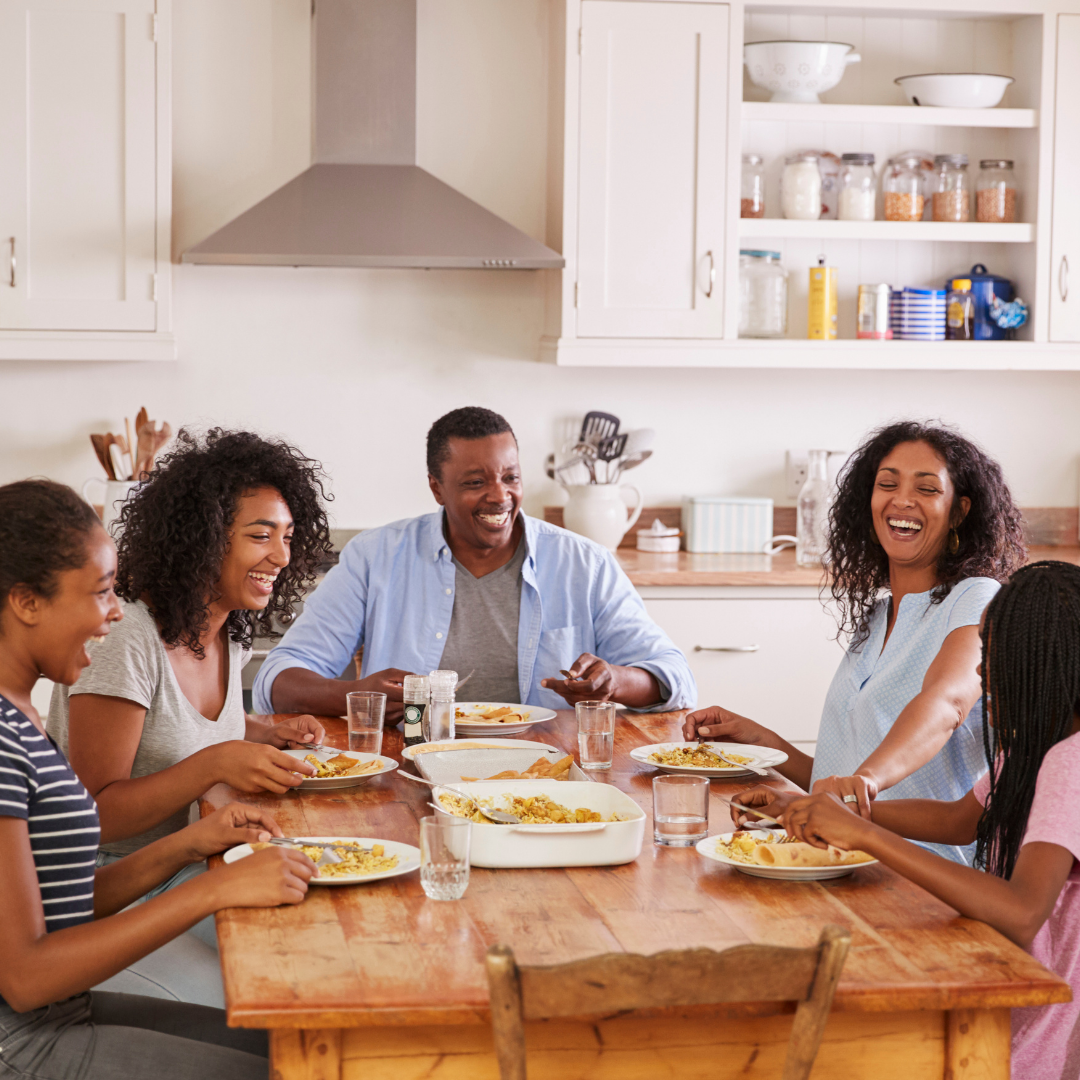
589,679
228,827
863,788
390,682
293,734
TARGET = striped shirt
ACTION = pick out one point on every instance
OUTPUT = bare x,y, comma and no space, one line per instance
38,785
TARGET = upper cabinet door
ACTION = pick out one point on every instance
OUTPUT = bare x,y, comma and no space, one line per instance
652,169
1065,229
77,165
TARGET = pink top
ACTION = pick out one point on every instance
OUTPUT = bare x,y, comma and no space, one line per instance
1046,1040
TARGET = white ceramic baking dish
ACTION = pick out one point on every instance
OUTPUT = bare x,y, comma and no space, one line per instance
607,843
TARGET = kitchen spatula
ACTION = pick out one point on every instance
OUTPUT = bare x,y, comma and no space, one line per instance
597,426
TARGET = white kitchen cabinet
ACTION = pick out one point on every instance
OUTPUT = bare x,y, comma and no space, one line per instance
769,656
1065,246
84,179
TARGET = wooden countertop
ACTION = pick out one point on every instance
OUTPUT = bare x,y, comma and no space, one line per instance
683,568
384,955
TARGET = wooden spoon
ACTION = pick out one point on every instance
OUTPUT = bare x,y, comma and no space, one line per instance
100,448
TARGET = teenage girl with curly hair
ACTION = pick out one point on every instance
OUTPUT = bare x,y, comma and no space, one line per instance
922,532
1022,813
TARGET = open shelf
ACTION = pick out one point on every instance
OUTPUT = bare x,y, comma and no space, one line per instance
889,114
968,232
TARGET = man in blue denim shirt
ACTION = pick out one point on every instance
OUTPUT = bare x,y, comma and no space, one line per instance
520,601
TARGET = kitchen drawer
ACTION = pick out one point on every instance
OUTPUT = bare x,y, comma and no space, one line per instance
782,682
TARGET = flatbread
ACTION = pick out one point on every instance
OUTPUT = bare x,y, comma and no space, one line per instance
805,855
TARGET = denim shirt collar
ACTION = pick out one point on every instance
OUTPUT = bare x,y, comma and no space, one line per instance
438,548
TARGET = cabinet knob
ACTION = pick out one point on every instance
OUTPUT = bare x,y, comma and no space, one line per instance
726,648
1063,278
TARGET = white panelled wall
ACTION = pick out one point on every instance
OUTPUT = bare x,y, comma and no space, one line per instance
353,365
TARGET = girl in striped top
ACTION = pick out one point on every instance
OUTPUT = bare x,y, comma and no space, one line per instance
63,927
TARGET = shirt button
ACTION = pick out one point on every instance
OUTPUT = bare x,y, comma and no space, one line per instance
439,634
449,591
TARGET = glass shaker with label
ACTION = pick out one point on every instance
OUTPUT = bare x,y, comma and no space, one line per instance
752,203
441,711
762,295
416,696
952,188
960,312
812,519
858,188
800,188
995,191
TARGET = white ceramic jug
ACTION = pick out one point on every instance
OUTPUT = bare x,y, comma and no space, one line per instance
598,512
116,491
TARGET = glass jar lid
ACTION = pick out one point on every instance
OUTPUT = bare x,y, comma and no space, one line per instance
753,159
995,163
956,161
753,253
804,155
858,159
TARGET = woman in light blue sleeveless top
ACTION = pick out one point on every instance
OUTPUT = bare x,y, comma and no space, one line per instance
922,533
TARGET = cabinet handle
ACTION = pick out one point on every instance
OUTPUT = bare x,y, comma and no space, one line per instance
726,648
712,275
11,281
1063,278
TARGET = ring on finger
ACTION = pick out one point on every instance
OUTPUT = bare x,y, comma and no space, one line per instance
851,798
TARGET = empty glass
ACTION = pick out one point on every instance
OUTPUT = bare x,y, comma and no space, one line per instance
367,710
444,856
680,810
596,733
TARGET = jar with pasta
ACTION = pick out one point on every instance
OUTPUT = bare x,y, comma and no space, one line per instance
903,189
995,191
752,203
952,188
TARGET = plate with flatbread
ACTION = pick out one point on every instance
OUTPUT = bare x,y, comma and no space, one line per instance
341,768
411,753
766,853
694,758
485,718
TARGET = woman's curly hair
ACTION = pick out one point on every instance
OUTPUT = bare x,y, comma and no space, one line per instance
175,531
991,537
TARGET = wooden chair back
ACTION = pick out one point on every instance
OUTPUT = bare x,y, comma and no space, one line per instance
617,982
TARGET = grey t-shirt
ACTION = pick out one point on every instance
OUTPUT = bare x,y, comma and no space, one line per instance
131,663
484,630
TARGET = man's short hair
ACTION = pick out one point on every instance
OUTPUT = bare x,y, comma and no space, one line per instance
471,422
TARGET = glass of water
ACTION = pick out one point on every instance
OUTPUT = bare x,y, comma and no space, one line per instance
367,711
596,733
444,856
680,809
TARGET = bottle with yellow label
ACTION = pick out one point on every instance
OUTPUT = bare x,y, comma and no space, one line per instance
960,312
822,314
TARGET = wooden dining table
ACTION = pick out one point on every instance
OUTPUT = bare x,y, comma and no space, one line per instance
377,982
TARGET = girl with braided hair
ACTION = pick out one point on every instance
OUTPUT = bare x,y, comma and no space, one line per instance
1022,813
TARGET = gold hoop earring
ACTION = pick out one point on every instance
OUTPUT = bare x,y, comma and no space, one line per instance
954,541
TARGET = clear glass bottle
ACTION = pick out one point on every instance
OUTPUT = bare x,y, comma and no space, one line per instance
902,185
952,188
440,713
995,191
858,188
812,517
416,696
762,295
800,188
752,203
960,312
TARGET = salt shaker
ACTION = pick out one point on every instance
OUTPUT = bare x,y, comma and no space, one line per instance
440,713
416,695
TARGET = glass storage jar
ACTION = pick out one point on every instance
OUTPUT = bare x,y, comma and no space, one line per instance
762,295
995,191
800,188
902,184
858,188
952,188
752,203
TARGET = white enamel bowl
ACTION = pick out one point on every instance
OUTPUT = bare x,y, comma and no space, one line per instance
954,91
331,783
798,70
408,858
761,756
708,848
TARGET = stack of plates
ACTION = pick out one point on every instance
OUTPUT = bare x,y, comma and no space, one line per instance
917,314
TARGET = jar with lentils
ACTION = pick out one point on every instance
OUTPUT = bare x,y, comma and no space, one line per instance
952,188
903,187
995,191
752,203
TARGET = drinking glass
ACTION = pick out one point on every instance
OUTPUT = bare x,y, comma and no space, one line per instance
444,856
367,710
680,809
596,733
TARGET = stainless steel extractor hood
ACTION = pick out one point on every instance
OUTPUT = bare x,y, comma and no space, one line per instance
365,201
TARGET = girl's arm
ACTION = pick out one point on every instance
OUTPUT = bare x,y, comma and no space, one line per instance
1016,908
930,821
40,968
949,691
103,738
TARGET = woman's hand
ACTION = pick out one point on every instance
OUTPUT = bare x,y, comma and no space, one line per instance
766,799
823,820
292,734
722,726
854,792
228,827
273,876
253,767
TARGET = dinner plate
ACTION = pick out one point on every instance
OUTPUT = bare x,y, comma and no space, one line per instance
408,858
533,714
410,752
708,848
330,783
761,756
451,766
